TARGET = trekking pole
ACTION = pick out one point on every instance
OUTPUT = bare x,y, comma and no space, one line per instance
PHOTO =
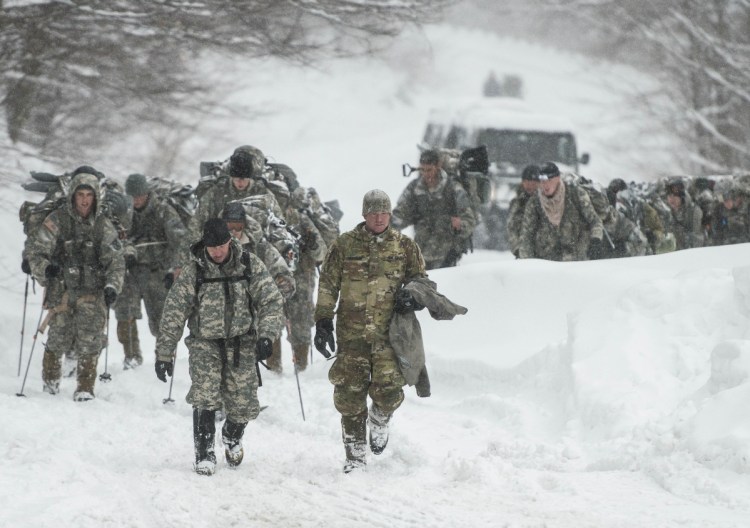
106,376
169,399
299,391
23,325
31,354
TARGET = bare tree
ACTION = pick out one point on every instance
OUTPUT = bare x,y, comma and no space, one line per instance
78,73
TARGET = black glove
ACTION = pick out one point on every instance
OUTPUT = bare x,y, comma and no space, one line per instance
163,369
308,242
110,296
263,349
324,336
52,271
595,249
130,261
25,267
405,302
168,280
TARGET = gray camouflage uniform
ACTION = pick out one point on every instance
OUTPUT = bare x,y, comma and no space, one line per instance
90,255
224,325
686,224
430,212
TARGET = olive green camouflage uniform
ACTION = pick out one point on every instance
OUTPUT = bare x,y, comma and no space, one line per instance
363,272
515,218
568,241
430,212
252,240
225,319
686,225
731,226
90,255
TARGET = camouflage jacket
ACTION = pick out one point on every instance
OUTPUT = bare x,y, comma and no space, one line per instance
156,234
430,213
515,218
363,272
249,302
253,241
213,201
569,240
628,240
312,246
686,225
730,226
87,249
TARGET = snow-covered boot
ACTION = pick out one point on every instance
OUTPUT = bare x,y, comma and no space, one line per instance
378,429
127,334
300,355
86,377
231,437
51,372
353,429
204,430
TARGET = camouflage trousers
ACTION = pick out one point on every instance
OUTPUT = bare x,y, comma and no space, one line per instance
363,368
142,283
78,327
223,374
299,309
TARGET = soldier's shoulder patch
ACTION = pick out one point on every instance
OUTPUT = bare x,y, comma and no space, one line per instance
51,225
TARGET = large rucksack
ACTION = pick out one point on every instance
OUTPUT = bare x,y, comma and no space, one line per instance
469,167
182,198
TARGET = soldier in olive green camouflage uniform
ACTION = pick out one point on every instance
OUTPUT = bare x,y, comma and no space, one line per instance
364,271
559,222
731,215
78,243
440,210
685,220
525,190
234,312
155,238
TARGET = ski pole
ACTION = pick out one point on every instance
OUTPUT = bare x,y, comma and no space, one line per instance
106,376
169,399
31,354
23,325
299,391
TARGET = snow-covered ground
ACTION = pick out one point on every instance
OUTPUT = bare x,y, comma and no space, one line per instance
592,394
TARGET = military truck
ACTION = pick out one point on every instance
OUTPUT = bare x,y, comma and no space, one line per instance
515,136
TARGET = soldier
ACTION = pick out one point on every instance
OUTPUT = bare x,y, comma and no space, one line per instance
249,234
155,237
731,216
364,271
559,222
527,188
299,308
79,244
440,210
234,312
685,219
245,180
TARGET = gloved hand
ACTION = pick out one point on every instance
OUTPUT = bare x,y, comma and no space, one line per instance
595,249
164,369
25,267
324,336
52,271
130,261
168,280
405,302
263,349
308,242
110,296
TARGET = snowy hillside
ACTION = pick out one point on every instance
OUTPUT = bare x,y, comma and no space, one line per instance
592,394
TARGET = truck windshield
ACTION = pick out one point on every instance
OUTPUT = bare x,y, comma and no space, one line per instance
521,148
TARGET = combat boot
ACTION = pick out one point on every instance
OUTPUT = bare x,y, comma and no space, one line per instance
204,429
353,429
231,437
86,377
378,429
300,355
127,335
274,362
51,372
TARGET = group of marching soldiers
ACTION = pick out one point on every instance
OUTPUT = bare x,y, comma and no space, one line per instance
565,217
92,256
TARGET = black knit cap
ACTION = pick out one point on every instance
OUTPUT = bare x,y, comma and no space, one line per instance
548,170
241,165
530,173
234,212
215,233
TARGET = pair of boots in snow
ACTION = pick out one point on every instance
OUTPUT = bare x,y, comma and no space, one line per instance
204,430
85,373
354,429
